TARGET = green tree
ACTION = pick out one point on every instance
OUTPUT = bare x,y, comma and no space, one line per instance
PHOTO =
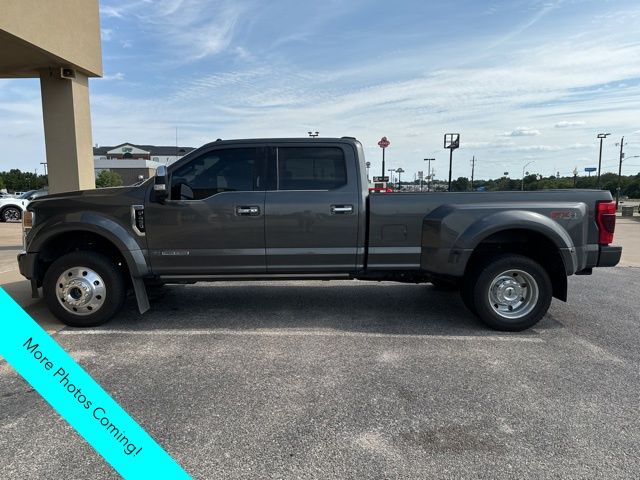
633,190
107,178
460,185
16,180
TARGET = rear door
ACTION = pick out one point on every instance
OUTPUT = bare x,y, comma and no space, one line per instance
312,210
213,222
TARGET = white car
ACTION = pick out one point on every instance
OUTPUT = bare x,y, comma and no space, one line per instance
11,208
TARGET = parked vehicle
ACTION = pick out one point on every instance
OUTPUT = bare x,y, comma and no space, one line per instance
11,208
301,209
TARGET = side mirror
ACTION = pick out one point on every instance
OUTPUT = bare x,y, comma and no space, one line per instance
160,187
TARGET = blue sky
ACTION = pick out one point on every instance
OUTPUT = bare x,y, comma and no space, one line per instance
521,80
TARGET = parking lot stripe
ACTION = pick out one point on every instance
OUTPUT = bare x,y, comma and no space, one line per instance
306,333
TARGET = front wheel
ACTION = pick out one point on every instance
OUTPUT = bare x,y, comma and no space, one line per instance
511,293
11,214
84,289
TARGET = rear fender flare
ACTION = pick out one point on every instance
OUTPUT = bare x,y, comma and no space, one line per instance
480,230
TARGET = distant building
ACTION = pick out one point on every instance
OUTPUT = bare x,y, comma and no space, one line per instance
132,161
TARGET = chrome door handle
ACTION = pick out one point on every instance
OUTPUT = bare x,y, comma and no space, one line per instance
252,211
341,209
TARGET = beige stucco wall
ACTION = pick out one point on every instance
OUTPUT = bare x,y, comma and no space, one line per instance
60,32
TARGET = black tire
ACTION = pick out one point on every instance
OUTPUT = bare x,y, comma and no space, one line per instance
113,284
522,281
11,214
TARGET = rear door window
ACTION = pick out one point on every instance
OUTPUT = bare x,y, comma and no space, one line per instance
311,168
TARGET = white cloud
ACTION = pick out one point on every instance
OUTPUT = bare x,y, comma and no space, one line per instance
116,76
522,132
195,28
548,148
110,11
569,124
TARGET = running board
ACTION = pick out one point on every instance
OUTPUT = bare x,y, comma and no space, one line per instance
254,276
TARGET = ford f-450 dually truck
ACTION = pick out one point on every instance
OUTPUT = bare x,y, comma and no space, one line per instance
274,209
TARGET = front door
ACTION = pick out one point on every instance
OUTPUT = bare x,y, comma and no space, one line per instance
213,222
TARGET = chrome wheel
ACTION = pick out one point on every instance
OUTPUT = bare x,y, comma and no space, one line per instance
81,291
11,214
513,294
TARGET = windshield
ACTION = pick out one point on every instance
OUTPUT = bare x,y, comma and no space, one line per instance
26,195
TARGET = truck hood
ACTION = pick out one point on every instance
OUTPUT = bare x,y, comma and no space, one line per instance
94,195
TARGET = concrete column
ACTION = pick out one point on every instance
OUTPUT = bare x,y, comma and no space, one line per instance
67,131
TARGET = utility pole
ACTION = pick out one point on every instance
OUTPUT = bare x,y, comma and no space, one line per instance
601,136
473,167
429,160
313,134
619,173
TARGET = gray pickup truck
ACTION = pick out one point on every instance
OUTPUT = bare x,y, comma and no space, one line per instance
279,209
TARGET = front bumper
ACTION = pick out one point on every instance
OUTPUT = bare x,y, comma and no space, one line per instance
27,264
609,256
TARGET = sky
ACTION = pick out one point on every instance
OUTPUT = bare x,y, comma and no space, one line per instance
523,81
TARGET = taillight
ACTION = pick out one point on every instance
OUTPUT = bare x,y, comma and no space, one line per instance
606,220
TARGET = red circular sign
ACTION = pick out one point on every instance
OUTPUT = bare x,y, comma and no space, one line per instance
384,143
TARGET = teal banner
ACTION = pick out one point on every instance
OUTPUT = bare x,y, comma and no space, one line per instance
79,399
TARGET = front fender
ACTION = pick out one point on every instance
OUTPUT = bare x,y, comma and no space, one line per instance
92,222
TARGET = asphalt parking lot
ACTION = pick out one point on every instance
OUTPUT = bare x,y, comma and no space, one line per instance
353,380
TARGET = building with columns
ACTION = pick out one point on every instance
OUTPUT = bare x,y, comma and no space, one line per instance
59,43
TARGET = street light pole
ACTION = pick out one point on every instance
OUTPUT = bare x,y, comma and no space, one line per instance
450,166
619,172
601,136
399,171
523,168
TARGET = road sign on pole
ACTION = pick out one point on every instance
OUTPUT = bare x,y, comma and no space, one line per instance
451,141
383,144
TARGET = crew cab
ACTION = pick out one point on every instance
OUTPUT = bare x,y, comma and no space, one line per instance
273,209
